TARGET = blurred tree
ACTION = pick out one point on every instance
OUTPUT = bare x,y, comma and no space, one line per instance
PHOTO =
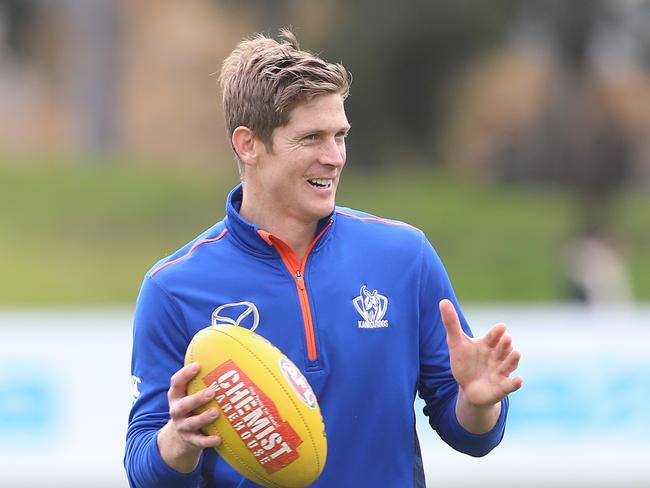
401,56
95,71
270,15
573,127
575,140
16,20
90,50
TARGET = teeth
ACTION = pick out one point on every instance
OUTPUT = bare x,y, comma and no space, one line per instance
320,182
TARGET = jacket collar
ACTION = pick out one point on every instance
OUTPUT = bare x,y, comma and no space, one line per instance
248,235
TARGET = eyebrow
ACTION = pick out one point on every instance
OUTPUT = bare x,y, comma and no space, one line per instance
321,131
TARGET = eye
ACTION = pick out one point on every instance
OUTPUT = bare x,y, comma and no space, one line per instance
341,136
310,137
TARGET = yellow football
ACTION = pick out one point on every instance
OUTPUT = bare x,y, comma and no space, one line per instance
270,424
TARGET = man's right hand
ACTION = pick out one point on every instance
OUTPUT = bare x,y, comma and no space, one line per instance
181,441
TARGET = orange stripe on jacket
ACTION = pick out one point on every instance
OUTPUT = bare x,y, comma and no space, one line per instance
377,219
188,253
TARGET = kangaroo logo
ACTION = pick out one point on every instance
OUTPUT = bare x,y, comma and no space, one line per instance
372,308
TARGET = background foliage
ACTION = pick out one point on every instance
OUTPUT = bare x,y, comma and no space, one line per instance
88,234
503,128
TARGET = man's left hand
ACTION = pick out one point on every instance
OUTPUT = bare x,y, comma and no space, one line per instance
481,366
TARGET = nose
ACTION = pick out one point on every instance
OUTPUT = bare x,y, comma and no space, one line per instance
333,153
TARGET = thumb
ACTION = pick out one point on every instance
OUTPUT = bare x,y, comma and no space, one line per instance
451,322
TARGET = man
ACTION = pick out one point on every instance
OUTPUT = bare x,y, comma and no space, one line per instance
361,304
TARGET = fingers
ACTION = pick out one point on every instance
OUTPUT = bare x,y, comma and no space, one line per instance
451,321
182,407
511,385
510,363
180,379
516,383
495,334
197,422
203,441
503,346
180,441
190,427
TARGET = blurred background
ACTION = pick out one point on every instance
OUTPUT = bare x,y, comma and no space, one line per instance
515,133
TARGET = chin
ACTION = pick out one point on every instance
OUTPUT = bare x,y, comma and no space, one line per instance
321,212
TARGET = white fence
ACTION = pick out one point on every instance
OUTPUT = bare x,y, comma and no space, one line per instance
583,415
582,418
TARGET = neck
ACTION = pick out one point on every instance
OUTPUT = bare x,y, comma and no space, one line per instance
297,234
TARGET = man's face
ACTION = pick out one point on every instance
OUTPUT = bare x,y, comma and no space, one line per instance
299,176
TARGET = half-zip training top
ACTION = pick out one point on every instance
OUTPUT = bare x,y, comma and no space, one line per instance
297,270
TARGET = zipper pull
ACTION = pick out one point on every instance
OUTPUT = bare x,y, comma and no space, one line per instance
300,281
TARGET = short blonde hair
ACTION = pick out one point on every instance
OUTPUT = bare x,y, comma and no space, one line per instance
263,79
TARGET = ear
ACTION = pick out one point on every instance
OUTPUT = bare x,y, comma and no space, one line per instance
245,144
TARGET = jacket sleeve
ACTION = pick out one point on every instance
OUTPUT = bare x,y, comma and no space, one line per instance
159,343
436,385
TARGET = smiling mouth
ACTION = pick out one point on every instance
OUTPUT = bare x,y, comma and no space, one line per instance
320,183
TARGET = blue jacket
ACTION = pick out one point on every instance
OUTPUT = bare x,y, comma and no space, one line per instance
359,316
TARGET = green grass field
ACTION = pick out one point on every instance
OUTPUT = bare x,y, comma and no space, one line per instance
86,234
